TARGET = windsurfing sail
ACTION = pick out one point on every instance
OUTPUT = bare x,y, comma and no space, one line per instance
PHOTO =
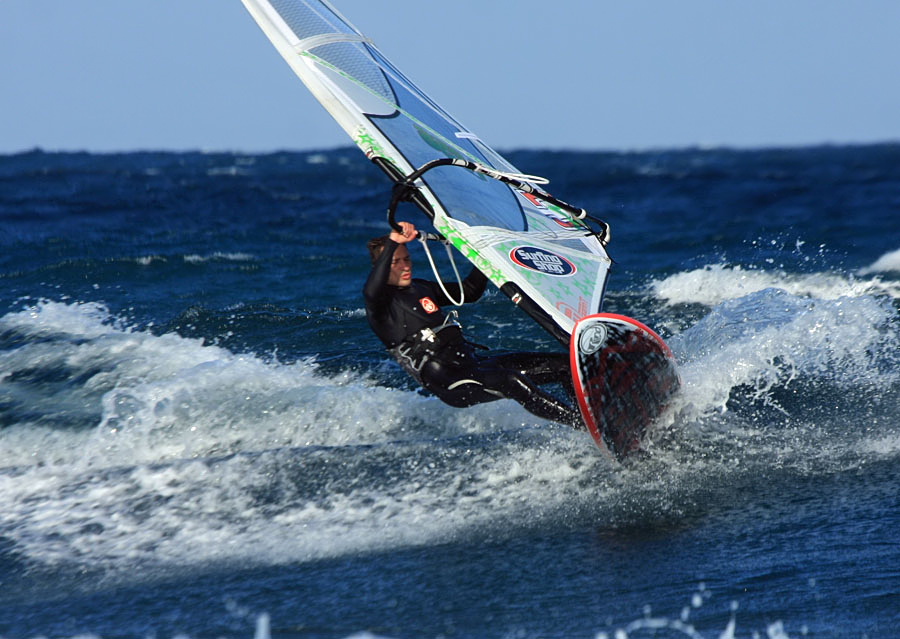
535,248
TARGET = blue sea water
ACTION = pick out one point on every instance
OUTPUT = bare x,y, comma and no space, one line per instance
199,436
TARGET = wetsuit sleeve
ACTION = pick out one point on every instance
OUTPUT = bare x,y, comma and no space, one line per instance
376,283
474,284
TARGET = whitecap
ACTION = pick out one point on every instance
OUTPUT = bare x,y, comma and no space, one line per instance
219,256
889,262
717,283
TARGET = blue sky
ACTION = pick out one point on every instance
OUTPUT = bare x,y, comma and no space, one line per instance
106,75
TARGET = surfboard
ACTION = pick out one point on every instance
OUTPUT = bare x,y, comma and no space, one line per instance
624,377
549,257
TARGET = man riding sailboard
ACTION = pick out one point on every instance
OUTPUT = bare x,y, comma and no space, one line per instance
548,257
405,314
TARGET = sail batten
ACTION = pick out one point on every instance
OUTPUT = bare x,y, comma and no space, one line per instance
308,44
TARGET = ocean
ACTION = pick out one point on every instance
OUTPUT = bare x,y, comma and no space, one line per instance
200,436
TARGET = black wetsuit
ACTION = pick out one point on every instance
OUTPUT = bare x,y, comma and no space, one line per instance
409,321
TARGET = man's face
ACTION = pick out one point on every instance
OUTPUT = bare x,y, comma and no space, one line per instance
401,268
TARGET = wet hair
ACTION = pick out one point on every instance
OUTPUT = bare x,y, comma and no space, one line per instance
376,246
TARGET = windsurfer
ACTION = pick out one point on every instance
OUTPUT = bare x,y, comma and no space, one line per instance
405,314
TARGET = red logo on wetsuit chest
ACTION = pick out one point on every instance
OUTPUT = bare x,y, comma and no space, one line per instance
427,305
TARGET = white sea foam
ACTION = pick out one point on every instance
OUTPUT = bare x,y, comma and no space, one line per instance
889,262
85,320
233,170
163,397
219,256
716,283
772,337
317,158
766,328
147,260
187,453
182,439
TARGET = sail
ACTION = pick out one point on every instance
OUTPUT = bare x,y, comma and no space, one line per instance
529,245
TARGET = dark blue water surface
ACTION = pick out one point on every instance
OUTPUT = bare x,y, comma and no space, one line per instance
200,437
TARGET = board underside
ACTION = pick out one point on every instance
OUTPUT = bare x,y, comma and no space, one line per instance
624,377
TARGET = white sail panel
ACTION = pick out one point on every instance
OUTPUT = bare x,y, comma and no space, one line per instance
550,264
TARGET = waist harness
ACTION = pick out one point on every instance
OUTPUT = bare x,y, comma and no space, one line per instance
415,350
